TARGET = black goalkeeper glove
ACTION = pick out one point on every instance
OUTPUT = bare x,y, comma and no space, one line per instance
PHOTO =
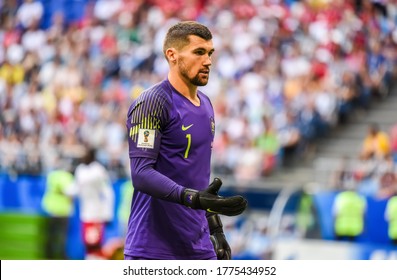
218,239
209,201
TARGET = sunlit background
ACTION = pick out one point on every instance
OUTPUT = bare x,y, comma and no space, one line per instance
295,86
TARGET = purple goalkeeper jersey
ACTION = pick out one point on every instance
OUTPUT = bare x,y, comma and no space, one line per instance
170,142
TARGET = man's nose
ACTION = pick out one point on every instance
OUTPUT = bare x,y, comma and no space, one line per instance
208,61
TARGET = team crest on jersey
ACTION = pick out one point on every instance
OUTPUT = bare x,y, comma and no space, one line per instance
146,138
212,125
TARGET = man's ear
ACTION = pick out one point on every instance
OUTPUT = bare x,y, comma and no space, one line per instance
171,55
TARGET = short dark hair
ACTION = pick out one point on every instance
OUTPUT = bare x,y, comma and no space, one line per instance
178,34
374,127
89,156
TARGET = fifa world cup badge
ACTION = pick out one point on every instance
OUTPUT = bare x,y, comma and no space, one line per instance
146,138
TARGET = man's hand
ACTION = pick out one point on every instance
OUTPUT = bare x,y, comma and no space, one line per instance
210,201
218,239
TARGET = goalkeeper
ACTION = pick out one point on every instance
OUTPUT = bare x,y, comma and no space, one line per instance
174,210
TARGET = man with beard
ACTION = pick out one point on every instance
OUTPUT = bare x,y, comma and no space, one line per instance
171,127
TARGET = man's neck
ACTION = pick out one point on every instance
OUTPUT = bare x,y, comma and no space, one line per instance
187,90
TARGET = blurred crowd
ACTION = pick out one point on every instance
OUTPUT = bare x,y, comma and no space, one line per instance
284,74
374,171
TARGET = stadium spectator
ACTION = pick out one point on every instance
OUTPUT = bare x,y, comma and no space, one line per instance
34,38
366,176
376,144
30,12
290,138
377,69
105,10
344,176
268,144
387,185
251,163
347,96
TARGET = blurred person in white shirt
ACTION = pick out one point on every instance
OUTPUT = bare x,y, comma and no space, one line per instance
34,39
105,9
96,197
29,12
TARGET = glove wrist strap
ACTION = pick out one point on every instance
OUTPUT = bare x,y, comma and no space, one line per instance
190,199
214,223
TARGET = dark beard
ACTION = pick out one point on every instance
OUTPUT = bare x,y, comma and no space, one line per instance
195,80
